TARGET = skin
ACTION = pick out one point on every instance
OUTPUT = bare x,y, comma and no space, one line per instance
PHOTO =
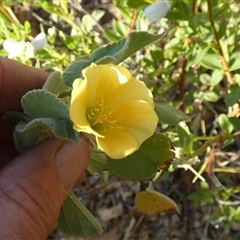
35,183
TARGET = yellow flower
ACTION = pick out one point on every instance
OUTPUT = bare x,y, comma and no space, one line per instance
114,106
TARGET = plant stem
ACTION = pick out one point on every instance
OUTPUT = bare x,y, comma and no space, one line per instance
194,6
202,149
182,83
133,22
223,60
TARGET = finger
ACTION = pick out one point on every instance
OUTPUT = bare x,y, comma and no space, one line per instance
8,152
34,186
15,80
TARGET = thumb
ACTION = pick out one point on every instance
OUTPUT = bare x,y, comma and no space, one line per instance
34,186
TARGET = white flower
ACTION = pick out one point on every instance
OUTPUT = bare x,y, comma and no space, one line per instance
16,49
39,41
51,31
157,10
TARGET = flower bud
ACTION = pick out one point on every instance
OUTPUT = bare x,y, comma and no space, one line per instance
39,41
157,10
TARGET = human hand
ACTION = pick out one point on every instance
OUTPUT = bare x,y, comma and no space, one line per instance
35,183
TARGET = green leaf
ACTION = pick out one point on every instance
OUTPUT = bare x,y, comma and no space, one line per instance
237,78
5,20
40,104
74,71
234,95
111,35
185,138
27,27
210,96
28,134
211,61
97,163
235,64
196,54
227,142
13,118
76,220
203,197
156,152
98,14
184,9
138,3
217,77
205,78
235,121
157,54
112,53
89,21
47,116
54,84
120,27
225,123
169,115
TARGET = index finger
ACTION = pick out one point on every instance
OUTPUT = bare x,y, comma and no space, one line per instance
15,80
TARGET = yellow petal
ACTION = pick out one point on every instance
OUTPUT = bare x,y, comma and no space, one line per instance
107,75
134,89
80,93
78,107
139,119
91,75
78,104
151,202
116,94
117,144
109,83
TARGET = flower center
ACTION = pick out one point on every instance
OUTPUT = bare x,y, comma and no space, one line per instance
103,117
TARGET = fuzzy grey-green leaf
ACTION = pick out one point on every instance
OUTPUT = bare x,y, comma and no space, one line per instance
112,53
27,134
54,84
41,103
